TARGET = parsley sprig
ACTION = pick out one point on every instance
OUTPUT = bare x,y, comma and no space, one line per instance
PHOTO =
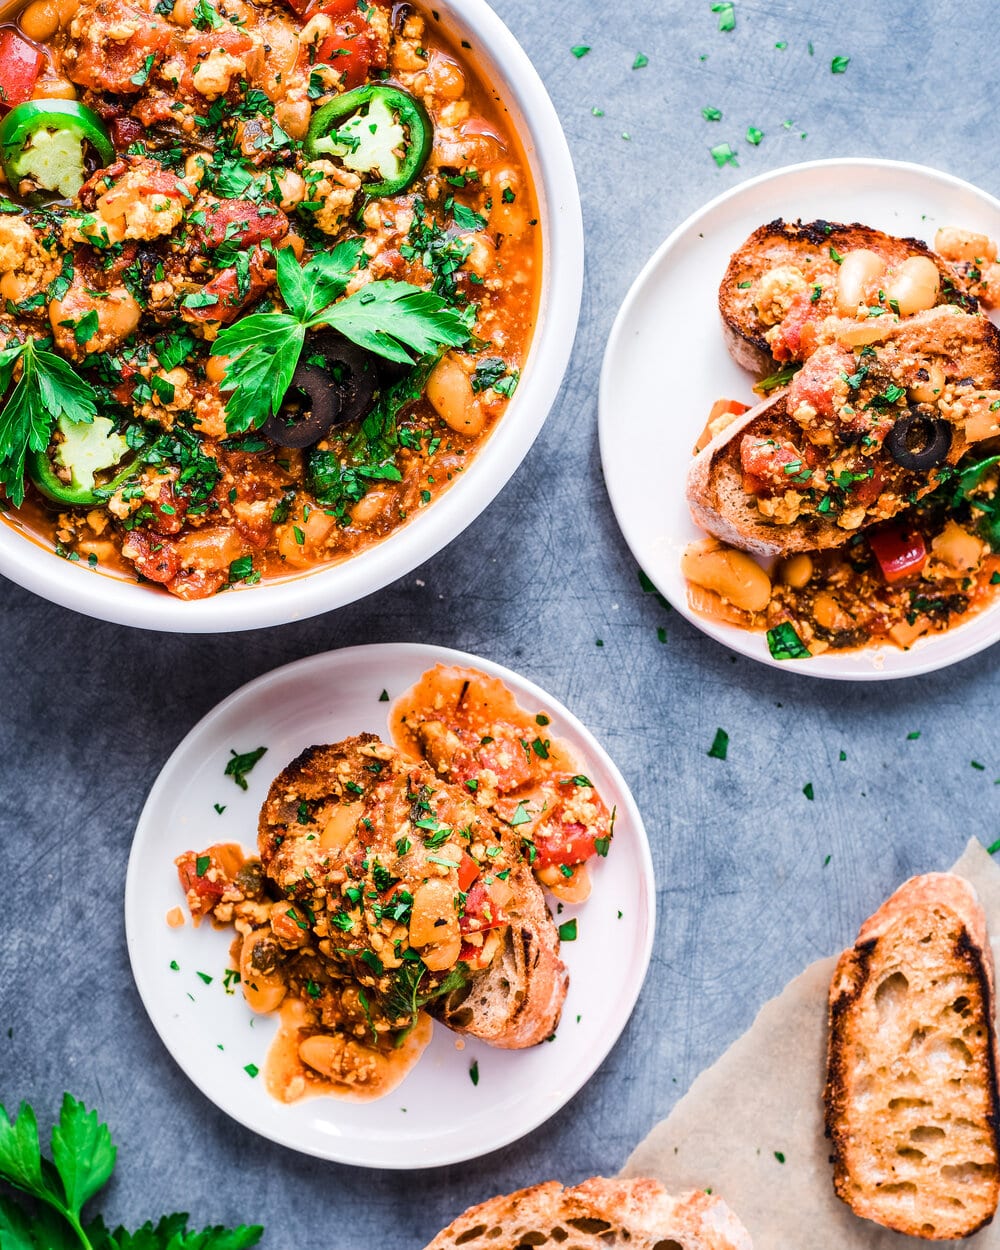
46,390
83,1158
392,319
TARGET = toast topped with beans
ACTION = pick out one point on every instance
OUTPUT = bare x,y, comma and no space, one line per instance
788,277
912,1108
869,424
597,1214
424,896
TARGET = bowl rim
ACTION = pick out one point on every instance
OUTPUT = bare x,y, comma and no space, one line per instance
502,61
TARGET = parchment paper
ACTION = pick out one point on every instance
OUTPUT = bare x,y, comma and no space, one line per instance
765,1095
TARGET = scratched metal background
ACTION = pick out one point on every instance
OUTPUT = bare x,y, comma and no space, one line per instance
90,711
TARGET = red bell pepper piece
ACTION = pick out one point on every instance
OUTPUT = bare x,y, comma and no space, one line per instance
899,550
20,64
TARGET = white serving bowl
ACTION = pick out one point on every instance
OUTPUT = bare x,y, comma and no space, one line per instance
505,65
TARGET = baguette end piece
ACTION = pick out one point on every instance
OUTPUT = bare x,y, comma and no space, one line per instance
911,1097
595,1215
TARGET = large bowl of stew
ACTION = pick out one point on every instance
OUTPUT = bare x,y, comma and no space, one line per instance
287,290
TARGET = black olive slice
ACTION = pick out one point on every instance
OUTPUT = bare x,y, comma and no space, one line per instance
311,408
919,442
355,371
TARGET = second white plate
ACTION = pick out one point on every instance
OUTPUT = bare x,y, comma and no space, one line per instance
666,363
437,1115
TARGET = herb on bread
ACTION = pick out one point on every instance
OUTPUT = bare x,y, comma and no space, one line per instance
59,1188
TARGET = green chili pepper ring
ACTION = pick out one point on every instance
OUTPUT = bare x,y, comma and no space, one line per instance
77,493
323,138
55,118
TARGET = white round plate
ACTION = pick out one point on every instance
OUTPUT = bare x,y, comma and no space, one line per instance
437,1115
666,363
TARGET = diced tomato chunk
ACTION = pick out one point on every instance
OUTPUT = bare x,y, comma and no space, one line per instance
900,551
817,380
481,913
558,843
20,64
354,47
125,131
796,336
468,871
242,222
154,557
204,888
232,291
769,465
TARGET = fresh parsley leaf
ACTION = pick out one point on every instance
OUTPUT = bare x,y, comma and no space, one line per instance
784,643
781,378
308,288
83,1158
205,16
47,390
83,1153
264,350
390,317
727,15
20,1153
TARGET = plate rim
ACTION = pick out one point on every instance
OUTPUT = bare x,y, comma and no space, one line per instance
731,636
429,654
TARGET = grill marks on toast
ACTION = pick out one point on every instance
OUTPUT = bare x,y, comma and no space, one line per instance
911,1097
517,1001
595,1215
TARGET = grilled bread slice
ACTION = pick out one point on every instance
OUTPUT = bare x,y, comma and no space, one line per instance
911,1094
789,276
517,1001
817,461
355,832
597,1214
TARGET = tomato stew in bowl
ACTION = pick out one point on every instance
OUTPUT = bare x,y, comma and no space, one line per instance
269,277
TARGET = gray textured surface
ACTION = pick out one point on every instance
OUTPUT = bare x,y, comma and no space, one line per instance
90,711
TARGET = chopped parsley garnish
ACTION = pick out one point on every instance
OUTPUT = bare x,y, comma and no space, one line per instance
727,15
567,931
839,64
784,643
754,135
711,114
723,154
474,1072
580,50
808,791
201,865
641,61
241,764
720,745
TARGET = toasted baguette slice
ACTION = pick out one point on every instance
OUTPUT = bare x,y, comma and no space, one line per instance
804,247
597,1214
911,1092
967,347
514,1002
